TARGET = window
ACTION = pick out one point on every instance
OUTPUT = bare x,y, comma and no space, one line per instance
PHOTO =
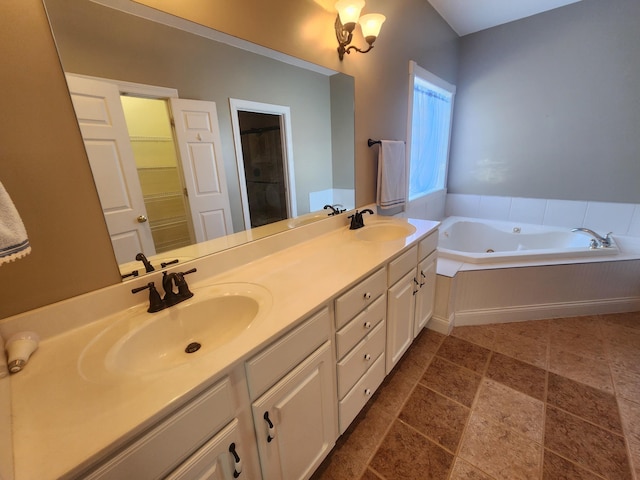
431,112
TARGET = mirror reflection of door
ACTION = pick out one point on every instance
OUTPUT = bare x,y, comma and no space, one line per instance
157,165
261,138
264,153
159,172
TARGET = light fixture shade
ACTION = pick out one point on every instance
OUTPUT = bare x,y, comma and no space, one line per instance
349,10
371,25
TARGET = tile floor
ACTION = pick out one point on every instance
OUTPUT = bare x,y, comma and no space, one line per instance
548,399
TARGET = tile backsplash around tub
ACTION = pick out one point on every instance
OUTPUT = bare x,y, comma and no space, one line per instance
603,217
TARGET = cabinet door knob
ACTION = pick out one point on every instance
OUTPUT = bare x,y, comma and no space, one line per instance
367,325
271,429
367,392
237,463
367,356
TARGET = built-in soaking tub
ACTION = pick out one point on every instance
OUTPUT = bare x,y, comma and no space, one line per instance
473,240
493,271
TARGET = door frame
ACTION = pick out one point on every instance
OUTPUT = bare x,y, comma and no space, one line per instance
236,105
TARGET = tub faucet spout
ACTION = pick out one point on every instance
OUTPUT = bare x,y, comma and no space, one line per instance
602,241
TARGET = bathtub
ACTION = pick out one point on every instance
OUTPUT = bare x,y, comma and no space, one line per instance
479,241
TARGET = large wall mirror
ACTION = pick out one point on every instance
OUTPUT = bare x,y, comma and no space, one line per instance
170,79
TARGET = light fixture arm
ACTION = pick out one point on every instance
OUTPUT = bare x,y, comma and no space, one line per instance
344,34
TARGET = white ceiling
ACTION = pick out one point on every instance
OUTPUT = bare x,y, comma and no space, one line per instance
468,16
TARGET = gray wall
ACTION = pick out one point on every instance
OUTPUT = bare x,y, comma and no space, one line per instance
549,106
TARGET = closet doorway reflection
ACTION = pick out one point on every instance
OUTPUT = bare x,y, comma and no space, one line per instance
159,172
262,136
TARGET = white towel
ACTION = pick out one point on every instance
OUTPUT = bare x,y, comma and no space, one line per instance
14,243
392,174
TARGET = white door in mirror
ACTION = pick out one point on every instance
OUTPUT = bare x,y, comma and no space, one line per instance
198,137
106,139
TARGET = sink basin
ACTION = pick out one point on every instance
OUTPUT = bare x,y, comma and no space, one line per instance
385,231
141,343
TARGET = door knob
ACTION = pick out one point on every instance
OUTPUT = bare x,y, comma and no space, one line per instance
142,219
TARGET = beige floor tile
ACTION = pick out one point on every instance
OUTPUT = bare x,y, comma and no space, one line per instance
405,454
578,342
499,451
482,335
522,348
463,471
465,354
443,424
588,324
581,369
511,408
537,330
556,468
587,445
495,377
626,383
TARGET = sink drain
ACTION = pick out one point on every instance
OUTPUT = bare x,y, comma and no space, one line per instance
192,347
490,250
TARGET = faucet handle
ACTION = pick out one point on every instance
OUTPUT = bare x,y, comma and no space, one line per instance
356,221
170,297
183,287
155,301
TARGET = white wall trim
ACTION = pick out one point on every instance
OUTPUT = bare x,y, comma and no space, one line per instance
551,310
284,112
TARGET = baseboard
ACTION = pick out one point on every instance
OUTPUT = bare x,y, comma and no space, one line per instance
539,312
440,324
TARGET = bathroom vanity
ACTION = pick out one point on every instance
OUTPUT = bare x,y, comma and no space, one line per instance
331,311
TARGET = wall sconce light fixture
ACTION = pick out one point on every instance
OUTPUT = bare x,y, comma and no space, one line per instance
348,17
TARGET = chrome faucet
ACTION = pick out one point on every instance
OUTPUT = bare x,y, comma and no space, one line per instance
600,241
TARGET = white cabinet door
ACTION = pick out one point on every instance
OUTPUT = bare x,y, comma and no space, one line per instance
400,314
295,420
426,295
219,459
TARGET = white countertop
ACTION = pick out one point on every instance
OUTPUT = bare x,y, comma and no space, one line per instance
61,420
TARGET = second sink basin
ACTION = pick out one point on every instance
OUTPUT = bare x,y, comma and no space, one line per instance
385,231
141,343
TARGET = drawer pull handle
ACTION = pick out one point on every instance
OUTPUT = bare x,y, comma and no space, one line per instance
272,430
237,463
367,392
367,357
367,325
367,295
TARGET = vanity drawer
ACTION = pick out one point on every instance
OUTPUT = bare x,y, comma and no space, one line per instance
273,363
171,442
427,245
358,361
364,323
363,294
359,395
403,264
